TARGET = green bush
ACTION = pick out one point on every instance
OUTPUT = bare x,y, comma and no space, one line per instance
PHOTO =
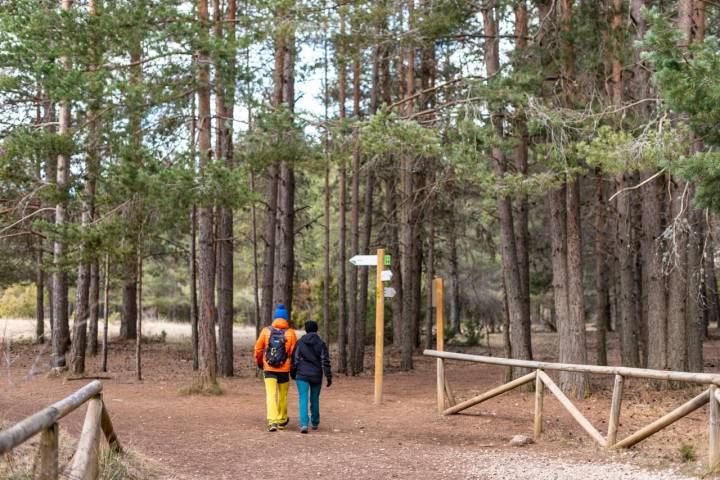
18,301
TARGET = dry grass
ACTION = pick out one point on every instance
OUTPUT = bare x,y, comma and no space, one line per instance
20,463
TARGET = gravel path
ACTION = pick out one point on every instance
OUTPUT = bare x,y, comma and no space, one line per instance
520,466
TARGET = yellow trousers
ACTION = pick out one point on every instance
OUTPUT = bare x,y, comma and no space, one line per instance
276,398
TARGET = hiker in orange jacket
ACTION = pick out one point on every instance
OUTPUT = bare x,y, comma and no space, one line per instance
273,354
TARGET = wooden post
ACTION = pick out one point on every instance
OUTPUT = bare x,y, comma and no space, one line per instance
379,326
506,387
440,341
714,430
85,462
615,410
109,432
572,409
539,390
662,422
48,453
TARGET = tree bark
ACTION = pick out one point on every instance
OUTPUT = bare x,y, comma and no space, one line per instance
40,294
713,300
285,249
522,234
342,227
626,258
407,233
694,316
519,323
364,273
61,329
225,105
454,279
677,286
206,326
602,304
576,349
394,252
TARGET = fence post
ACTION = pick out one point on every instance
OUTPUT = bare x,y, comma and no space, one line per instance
615,410
539,387
48,453
714,429
439,302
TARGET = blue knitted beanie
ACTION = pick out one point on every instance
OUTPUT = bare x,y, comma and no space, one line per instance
281,312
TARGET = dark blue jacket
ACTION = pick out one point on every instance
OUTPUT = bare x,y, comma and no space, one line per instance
311,359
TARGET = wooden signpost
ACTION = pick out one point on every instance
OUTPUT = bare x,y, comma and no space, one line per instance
379,326
378,261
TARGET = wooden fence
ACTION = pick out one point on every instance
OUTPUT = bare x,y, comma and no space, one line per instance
448,406
45,422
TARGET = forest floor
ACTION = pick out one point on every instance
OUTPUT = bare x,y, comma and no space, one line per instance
195,437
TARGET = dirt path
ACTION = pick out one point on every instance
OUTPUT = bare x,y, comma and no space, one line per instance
224,437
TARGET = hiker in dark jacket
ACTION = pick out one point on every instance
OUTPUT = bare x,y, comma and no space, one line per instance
310,360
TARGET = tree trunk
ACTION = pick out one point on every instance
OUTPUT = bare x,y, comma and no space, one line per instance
225,104
194,317
454,280
653,251
394,252
713,300
602,305
206,325
694,326
364,273
285,249
522,234
94,300
677,286
407,233
626,259
61,329
519,323
575,349
40,294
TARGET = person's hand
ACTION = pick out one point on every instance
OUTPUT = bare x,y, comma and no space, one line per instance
329,382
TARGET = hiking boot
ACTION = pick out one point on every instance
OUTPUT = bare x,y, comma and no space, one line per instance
303,430
315,427
273,427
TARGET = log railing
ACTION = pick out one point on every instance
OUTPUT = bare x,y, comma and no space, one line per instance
711,395
45,422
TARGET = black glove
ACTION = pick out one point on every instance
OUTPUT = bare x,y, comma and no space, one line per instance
329,382
293,374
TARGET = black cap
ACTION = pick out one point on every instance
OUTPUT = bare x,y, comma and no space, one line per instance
311,326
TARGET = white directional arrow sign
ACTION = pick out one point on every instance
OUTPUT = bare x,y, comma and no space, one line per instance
386,275
364,260
389,292
367,260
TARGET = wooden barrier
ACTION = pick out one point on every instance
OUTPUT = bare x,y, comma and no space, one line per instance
45,422
711,395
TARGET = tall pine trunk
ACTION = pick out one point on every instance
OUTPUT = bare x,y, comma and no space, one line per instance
206,325
602,300
225,105
342,199
519,343
61,328
407,230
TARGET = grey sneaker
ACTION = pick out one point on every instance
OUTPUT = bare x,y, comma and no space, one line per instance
273,427
303,430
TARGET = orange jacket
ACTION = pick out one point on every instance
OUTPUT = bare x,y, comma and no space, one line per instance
262,341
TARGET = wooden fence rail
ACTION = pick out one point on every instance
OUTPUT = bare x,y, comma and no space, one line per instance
45,422
711,395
